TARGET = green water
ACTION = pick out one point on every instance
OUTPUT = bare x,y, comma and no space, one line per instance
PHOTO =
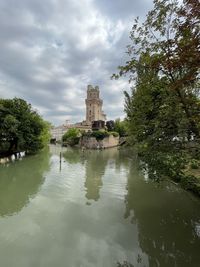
96,209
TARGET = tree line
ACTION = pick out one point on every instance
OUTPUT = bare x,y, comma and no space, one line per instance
163,107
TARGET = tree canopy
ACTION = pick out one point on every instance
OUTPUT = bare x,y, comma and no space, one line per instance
163,108
21,127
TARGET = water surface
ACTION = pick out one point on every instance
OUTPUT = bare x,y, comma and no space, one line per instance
95,209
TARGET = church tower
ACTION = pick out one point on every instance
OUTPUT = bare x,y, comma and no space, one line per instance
94,105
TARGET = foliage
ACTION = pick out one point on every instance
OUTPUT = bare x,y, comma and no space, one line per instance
163,108
71,137
167,43
110,125
117,126
194,164
21,128
120,127
191,183
160,161
100,134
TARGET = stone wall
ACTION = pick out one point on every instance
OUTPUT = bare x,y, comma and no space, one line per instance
92,143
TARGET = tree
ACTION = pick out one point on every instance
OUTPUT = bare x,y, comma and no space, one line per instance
21,128
71,137
168,42
120,127
110,125
163,109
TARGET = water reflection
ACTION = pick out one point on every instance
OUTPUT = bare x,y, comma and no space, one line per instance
96,164
166,221
95,169
21,180
134,222
124,264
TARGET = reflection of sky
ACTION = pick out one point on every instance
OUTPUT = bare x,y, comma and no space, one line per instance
20,180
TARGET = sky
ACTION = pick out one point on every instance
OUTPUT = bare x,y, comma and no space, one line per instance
52,49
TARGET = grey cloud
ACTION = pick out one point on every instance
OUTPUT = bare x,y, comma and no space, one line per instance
123,9
50,51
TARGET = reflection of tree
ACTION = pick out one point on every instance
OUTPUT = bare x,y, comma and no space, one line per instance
124,264
20,180
122,156
73,155
166,222
95,168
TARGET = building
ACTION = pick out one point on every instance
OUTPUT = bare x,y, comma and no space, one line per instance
94,104
58,132
94,113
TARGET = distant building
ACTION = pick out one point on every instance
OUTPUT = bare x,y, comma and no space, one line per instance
94,105
94,115
58,132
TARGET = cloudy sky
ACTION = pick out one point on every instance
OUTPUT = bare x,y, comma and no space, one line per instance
52,49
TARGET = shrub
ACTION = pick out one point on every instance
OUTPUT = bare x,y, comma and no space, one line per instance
71,137
100,134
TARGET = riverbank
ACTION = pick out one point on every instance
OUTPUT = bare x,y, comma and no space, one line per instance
7,157
191,181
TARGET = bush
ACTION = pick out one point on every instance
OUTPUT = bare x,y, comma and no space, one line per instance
71,137
100,134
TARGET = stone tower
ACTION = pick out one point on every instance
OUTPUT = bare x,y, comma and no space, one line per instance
94,105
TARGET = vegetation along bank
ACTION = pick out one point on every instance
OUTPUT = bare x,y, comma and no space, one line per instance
163,107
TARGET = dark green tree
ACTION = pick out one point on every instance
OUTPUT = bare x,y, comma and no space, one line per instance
168,42
21,127
163,108
110,125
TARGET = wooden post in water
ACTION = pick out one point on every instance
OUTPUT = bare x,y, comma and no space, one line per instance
60,160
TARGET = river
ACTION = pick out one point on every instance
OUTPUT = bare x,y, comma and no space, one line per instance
94,209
